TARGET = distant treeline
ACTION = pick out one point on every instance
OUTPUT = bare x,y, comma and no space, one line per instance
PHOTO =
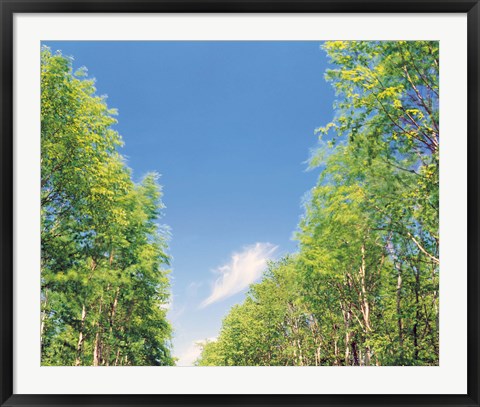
363,287
104,289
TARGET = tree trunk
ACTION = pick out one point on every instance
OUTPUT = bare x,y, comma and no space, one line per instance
81,337
96,350
355,354
44,316
365,305
117,357
113,310
417,313
336,351
399,310
97,344
348,333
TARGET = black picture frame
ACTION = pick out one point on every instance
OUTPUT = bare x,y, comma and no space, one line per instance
7,206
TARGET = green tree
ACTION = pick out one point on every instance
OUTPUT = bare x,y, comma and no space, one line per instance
363,288
103,256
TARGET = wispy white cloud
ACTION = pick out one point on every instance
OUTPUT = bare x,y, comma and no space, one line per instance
242,270
191,354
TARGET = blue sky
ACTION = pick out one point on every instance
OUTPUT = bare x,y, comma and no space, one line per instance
229,126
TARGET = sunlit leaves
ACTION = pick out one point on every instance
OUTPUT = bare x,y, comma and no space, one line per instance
363,289
104,282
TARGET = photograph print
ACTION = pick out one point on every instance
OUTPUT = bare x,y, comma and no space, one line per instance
239,203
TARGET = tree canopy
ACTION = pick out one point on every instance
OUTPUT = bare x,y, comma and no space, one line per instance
104,281
363,286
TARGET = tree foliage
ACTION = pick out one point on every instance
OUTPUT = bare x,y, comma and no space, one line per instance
104,285
363,287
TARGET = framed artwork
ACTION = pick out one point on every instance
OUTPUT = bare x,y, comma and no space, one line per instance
247,203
